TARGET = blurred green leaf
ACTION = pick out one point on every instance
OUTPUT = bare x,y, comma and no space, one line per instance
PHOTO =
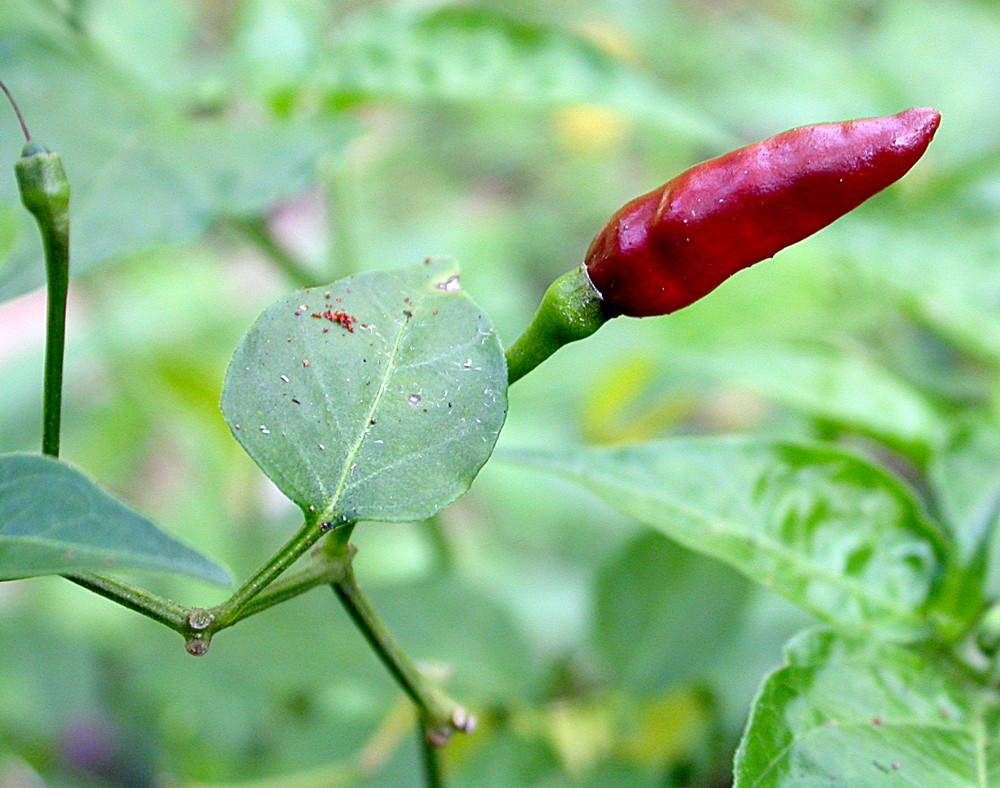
833,533
123,31
462,634
948,279
53,520
965,482
278,43
689,605
836,386
475,55
144,170
866,713
386,415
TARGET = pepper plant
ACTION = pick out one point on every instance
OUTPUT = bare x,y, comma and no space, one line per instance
379,397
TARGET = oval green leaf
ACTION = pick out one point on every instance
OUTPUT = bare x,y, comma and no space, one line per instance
53,520
835,534
844,712
378,397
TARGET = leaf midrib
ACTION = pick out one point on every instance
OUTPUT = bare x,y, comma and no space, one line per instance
776,548
331,508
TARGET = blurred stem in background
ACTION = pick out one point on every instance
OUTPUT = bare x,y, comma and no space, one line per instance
256,231
340,176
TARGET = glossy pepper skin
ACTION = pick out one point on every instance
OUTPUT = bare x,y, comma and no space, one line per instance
668,248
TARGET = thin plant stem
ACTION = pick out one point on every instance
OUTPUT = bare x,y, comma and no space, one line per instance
320,572
341,202
430,757
57,264
444,553
17,111
255,230
570,311
439,714
227,613
159,609
45,193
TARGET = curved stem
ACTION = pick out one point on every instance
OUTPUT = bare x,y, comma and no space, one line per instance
255,230
570,310
45,193
227,613
439,715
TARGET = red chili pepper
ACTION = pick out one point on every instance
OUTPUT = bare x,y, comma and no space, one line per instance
668,248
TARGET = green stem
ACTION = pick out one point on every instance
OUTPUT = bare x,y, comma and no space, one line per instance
228,612
570,310
158,608
57,266
45,193
444,553
320,572
429,757
341,202
255,230
439,714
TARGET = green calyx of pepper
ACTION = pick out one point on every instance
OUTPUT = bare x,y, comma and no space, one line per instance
571,309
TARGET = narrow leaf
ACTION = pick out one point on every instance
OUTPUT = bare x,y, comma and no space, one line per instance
833,533
475,55
53,520
844,712
839,387
377,397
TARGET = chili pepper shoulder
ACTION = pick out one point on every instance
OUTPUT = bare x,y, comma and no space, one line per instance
668,248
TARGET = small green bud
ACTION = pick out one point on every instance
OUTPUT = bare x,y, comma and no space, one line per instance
43,184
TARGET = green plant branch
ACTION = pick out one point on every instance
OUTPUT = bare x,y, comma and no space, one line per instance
430,756
340,179
570,310
228,612
439,715
159,609
57,265
321,571
255,230
198,624
45,191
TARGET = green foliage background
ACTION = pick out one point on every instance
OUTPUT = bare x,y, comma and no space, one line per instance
366,136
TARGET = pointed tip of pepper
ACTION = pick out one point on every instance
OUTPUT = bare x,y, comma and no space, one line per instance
922,121
668,248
